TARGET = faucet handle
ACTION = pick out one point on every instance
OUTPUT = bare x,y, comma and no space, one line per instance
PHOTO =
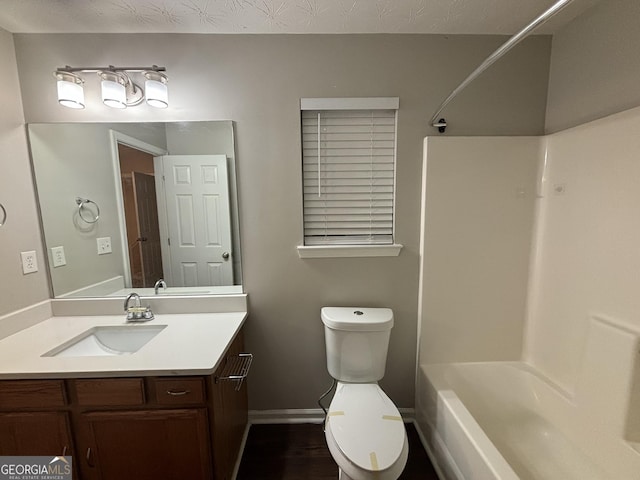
140,314
148,314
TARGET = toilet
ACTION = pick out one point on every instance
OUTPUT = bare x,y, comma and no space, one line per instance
364,430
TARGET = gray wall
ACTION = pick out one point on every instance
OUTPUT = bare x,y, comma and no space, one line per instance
257,81
22,231
595,66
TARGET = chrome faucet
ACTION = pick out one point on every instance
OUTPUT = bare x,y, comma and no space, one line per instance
137,313
160,283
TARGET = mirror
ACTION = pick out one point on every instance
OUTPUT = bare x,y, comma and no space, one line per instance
124,205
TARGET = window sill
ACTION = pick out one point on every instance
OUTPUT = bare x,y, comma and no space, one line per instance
341,251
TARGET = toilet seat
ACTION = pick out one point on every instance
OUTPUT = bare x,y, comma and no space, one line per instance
365,432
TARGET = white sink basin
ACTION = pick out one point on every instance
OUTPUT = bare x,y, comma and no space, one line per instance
108,340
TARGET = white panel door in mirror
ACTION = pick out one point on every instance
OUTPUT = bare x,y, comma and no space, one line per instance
198,219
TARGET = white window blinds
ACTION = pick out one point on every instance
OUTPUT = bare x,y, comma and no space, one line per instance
348,154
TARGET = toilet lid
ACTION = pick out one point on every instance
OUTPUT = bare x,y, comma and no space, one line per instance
366,426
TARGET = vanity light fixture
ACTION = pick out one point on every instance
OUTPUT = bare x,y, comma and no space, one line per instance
156,87
70,89
114,92
117,87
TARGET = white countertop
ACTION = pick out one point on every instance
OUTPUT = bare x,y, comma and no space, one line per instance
191,344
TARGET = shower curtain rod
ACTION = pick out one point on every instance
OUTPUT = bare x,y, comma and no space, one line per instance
441,123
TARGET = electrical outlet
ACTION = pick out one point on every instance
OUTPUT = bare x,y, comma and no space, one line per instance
57,254
29,262
104,245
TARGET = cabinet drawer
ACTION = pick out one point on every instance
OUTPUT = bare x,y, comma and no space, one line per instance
184,391
31,393
110,391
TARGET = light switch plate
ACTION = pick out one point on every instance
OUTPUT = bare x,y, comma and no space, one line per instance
104,245
57,254
29,262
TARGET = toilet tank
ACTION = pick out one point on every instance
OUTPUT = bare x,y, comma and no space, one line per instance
357,340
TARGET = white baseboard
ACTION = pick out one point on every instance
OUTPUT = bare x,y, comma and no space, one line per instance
305,415
408,414
297,415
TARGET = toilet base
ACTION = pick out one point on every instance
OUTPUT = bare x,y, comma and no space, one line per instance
343,476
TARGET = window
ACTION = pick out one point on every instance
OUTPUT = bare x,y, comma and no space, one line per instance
348,156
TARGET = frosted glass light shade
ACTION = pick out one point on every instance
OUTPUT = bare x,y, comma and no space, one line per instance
70,92
155,87
118,89
156,93
114,94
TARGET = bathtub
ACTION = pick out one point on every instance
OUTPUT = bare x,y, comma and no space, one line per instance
504,420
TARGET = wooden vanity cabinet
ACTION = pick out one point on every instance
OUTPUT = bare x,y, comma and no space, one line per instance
229,402
145,444
155,428
169,428
35,433
126,430
34,418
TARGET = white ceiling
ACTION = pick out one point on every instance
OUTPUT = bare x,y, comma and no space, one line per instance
280,16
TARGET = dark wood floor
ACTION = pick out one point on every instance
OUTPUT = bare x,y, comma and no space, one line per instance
299,452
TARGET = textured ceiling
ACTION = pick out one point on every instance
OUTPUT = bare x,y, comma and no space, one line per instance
280,16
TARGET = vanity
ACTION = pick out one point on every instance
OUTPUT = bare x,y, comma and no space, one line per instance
129,207
174,407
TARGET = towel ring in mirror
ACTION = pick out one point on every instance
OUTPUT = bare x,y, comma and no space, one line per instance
3,215
81,203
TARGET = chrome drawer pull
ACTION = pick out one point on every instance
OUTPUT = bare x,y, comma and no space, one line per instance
178,393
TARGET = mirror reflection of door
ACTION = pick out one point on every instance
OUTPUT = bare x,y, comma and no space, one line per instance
196,195
141,216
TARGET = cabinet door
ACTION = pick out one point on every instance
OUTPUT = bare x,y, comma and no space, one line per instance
230,418
146,445
37,433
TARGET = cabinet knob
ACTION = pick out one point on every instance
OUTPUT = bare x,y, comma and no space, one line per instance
89,461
